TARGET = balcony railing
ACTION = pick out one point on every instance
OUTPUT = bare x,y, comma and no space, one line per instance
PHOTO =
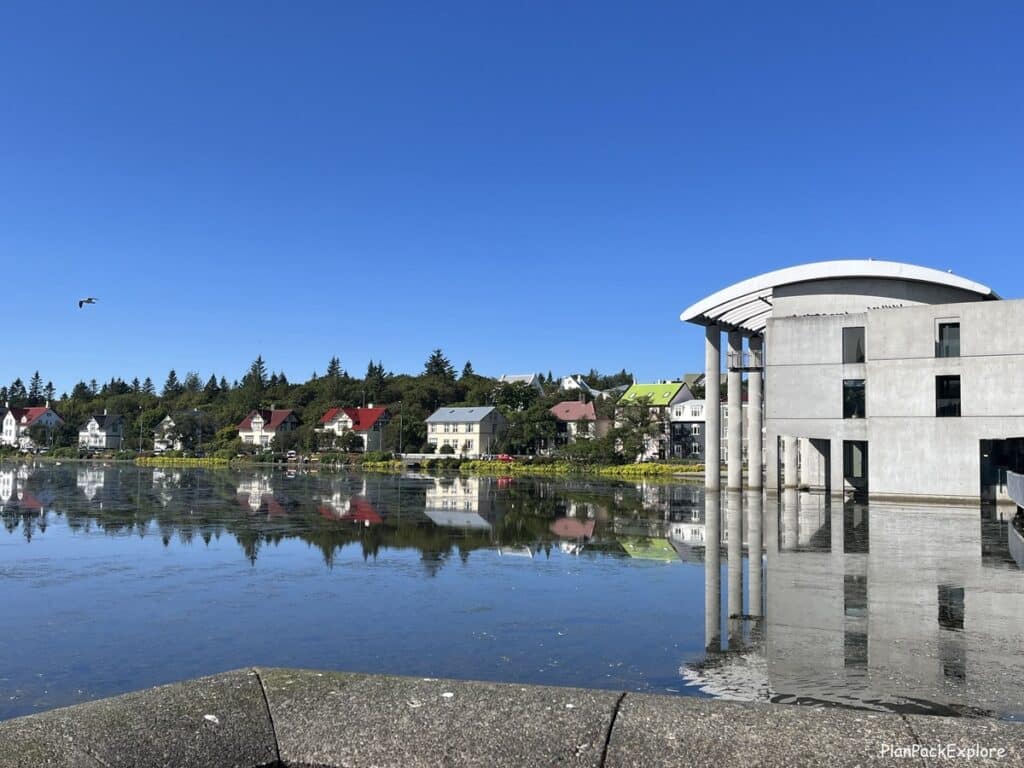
745,361
1015,487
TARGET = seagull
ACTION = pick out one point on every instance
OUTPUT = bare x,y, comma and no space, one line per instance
87,300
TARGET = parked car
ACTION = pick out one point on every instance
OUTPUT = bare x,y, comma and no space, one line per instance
504,457
291,455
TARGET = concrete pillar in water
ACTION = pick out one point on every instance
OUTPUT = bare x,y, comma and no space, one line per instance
755,409
836,478
712,572
734,553
712,417
789,529
734,381
755,548
790,451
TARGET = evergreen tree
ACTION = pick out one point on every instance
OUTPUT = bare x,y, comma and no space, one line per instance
467,370
333,368
438,365
224,384
81,392
212,389
172,387
375,380
35,389
192,383
136,385
147,387
17,393
93,388
256,378
4,394
49,391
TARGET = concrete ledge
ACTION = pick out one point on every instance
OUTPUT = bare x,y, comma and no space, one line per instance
307,719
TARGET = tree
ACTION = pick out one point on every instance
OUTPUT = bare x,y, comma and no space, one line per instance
35,389
375,380
334,368
17,394
638,426
192,383
256,378
172,387
350,442
467,371
438,365
81,391
147,387
50,392
212,389
136,385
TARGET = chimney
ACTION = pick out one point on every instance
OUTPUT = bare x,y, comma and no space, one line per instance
370,405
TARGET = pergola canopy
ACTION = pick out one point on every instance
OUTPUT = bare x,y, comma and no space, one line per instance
747,305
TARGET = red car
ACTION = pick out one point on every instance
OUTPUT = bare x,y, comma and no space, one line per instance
504,457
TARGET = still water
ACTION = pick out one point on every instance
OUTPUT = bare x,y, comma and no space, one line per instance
116,578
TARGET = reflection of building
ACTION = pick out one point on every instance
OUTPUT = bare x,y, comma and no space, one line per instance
343,504
6,487
255,492
90,481
461,502
918,611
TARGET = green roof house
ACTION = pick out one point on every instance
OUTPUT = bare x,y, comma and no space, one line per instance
663,395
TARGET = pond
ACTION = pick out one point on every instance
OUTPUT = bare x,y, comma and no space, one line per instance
116,578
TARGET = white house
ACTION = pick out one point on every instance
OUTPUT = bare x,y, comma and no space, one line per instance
576,383
16,423
166,436
529,379
260,427
471,432
102,432
367,423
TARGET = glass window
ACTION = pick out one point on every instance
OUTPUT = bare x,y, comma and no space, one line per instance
948,343
854,406
947,395
853,345
696,429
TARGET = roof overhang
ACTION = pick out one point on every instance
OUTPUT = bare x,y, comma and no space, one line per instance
747,305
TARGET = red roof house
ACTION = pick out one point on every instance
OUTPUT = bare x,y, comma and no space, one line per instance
368,423
260,426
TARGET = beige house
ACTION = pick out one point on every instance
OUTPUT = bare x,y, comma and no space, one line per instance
470,432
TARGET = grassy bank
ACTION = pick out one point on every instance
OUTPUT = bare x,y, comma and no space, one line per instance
180,461
559,468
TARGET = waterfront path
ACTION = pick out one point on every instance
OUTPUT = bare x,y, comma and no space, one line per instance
285,717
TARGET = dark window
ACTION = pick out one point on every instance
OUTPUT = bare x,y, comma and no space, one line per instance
951,607
853,345
853,399
948,344
947,395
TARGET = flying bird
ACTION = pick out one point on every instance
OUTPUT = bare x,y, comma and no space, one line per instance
87,300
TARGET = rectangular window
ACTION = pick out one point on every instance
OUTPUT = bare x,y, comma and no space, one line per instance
854,406
947,395
948,342
695,430
853,345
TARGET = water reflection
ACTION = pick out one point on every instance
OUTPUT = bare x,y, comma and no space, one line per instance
572,581
896,607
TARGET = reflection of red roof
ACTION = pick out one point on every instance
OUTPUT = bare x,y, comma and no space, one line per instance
571,528
30,415
574,410
28,501
362,418
271,419
361,511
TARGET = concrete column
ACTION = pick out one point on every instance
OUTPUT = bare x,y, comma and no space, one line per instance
712,418
790,449
712,572
734,553
836,481
735,399
772,481
809,469
755,514
789,528
755,406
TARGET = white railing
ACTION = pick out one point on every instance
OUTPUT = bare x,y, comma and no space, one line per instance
750,360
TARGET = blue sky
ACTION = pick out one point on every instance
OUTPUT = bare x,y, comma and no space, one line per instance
529,186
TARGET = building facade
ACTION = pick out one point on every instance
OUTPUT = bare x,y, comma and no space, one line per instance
15,424
368,423
102,432
260,427
470,432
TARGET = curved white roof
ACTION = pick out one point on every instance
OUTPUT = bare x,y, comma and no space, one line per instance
747,305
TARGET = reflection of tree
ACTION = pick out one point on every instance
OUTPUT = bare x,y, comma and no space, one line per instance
193,506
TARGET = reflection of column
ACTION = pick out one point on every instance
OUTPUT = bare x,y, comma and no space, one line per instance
734,380
754,397
788,534
734,523
790,448
755,511
712,572
712,417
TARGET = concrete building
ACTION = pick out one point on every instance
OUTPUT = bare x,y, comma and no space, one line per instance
470,432
103,432
885,378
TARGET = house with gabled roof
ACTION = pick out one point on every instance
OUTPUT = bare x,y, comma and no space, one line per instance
659,398
470,432
368,423
102,432
263,424
577,419
16,422
529,379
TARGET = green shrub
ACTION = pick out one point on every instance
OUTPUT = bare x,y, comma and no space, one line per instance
447,450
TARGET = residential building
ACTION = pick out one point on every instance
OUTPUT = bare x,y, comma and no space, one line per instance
471,432
577,419
576,383
15,423
167,436
261,426
368,423
686,422
103,432
885,378
660,398
185,430
461,502
529,379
